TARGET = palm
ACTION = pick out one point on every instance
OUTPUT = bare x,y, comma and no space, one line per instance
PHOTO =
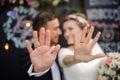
84,47
83,53
42,57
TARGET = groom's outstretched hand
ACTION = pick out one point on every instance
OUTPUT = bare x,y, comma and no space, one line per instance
41,56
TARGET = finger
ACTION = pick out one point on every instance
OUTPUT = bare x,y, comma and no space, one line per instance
83,35
95,40
89,36
98,56
27,43
76,39
92,57
48,37
55,51
42,36
35,37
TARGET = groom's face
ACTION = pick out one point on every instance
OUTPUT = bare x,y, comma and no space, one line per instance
54,27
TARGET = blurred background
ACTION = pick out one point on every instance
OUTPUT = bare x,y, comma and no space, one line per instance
16,25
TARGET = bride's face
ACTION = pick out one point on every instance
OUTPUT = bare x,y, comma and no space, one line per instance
70,27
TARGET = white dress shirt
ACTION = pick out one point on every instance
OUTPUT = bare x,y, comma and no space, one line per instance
55,71
31,73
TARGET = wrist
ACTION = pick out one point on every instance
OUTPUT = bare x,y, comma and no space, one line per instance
36,69
76,59
73,60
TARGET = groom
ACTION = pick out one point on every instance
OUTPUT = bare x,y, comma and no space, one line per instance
45,47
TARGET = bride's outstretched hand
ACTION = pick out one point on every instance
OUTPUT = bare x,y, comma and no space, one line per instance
42,57
83,46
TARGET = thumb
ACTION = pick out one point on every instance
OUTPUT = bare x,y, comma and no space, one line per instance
55,51
98,56
27,43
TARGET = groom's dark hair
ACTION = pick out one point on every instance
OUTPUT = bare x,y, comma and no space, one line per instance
42,19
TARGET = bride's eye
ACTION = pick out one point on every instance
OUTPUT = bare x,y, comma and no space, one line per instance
70,28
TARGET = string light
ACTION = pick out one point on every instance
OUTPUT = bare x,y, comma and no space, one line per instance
27,23
8,13
6,46
21,2
15,13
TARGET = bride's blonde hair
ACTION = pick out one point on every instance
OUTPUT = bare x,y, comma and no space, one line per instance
79,18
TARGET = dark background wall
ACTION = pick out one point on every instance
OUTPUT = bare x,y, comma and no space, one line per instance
105,16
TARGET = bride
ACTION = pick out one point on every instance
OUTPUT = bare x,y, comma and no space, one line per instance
80,60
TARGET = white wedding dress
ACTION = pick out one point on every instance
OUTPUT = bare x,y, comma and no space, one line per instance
80,71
